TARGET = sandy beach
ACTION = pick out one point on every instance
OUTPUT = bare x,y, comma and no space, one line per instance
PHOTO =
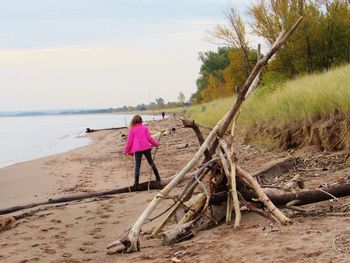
80,231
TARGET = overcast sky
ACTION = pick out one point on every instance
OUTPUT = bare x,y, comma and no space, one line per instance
57,54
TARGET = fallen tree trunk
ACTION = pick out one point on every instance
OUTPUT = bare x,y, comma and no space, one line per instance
282,198
69,198
88,130
310,196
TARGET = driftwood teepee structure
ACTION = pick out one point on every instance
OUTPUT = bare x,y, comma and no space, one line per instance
217,159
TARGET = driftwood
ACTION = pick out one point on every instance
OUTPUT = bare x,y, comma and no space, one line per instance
310,196
281,198
263,197
69,198
211,142
191,124
186,193
177,234
88,130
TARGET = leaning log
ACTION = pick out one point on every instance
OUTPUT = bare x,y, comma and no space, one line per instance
191,124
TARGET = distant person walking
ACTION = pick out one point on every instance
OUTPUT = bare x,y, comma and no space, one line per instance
139,143
163,114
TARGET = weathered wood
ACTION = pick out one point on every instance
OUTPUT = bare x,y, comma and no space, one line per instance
229,195
275,168
310,196
5,222
76,197
88,130
232,181
282,198
263,197
135,230
260,212
292,184
191,124
211,141
191,185
178,233
194,209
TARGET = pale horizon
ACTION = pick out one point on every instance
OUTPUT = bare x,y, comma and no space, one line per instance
102,54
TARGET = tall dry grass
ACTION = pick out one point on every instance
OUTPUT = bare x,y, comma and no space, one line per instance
308,108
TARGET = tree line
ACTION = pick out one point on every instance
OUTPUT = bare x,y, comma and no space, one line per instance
158,104
321,42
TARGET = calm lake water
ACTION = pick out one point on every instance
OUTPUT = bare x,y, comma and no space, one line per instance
27,138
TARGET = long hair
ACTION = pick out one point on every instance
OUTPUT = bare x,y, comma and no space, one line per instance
135,120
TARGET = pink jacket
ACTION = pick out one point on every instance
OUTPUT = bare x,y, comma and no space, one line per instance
139,139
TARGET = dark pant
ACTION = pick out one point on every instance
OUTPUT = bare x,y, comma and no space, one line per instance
138,158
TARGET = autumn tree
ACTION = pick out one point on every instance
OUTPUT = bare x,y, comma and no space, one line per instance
234,35
321,42
213,63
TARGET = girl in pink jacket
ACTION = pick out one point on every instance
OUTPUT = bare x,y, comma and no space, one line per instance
138,144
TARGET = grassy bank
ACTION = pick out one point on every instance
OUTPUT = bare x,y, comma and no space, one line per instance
313,109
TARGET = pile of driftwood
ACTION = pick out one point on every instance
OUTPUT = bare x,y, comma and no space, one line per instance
219,187
218,176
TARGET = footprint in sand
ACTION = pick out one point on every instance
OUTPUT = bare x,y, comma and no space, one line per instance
56,221
95,231
48,229
61,246
105,216
87,250
89,243
66,255
99,236
100,223
58,236
26,238
48,250
34,259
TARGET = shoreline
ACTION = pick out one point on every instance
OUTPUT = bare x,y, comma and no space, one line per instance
80,231
48,181
62,143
